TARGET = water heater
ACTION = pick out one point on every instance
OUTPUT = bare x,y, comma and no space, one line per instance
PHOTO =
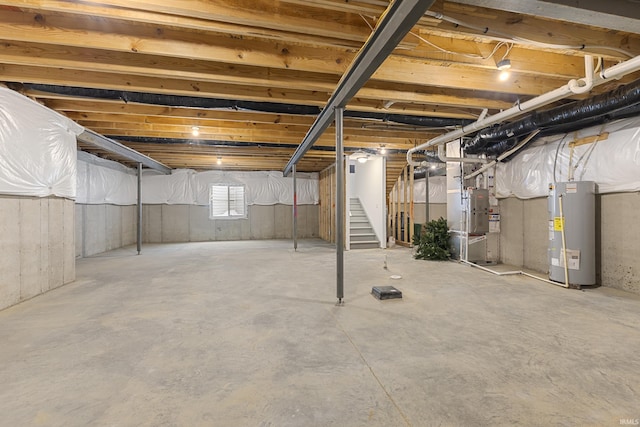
572,212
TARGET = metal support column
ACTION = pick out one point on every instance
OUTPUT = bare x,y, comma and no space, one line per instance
139,231
426,195
295,210
339,112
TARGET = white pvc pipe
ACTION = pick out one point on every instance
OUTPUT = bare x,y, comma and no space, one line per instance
581,86
512,273
442,156
497,273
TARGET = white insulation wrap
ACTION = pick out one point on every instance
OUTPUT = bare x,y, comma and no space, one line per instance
437,190
37,149
185,186
613,162
103,181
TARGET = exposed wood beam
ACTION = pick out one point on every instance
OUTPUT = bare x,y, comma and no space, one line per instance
256,13
397,69
27,74
256,136
534,28
215,126
128,64
155,18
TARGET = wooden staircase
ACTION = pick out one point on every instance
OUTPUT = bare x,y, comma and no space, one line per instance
361,233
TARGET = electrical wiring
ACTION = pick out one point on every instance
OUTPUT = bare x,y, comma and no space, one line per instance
467,55
522,40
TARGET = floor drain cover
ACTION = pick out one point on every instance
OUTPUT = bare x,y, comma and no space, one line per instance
386,292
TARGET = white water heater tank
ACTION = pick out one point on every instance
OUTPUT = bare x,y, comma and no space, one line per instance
572,209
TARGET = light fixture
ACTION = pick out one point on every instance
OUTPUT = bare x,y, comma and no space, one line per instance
219,160
383,150
433,167
195,130
504,66
360,156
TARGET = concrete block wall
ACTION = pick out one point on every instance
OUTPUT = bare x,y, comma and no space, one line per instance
618,241
190,223
524,233
37,240
101,228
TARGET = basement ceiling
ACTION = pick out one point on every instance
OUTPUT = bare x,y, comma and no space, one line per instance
251,75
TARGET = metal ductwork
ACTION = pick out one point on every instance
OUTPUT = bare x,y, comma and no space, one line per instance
622,102
504,146
226,104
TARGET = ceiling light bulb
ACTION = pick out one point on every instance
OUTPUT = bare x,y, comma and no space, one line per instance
362,159
504,76
505,64
195,130
383,150
433,167
219,160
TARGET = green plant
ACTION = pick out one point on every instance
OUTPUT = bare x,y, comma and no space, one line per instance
433,241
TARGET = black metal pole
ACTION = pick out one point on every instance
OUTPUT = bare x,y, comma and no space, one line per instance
295,210
139,231
426,194
339,205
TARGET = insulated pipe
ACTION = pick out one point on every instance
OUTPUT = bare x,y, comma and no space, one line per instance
615,72
504,155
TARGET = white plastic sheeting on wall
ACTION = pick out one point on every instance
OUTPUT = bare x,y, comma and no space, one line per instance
103,181
37,148
437,190
185,186
613,163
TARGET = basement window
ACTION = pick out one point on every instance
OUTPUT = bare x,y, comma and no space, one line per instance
227,202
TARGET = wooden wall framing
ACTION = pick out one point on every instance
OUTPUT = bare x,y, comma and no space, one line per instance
328,204
400,219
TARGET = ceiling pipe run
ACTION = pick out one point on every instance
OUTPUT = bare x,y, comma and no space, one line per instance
615,72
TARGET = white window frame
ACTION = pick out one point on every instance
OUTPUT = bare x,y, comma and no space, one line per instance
226,208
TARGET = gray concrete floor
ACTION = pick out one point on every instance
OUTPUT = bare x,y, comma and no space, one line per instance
248,334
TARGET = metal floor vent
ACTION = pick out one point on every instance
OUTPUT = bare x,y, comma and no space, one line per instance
386,292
